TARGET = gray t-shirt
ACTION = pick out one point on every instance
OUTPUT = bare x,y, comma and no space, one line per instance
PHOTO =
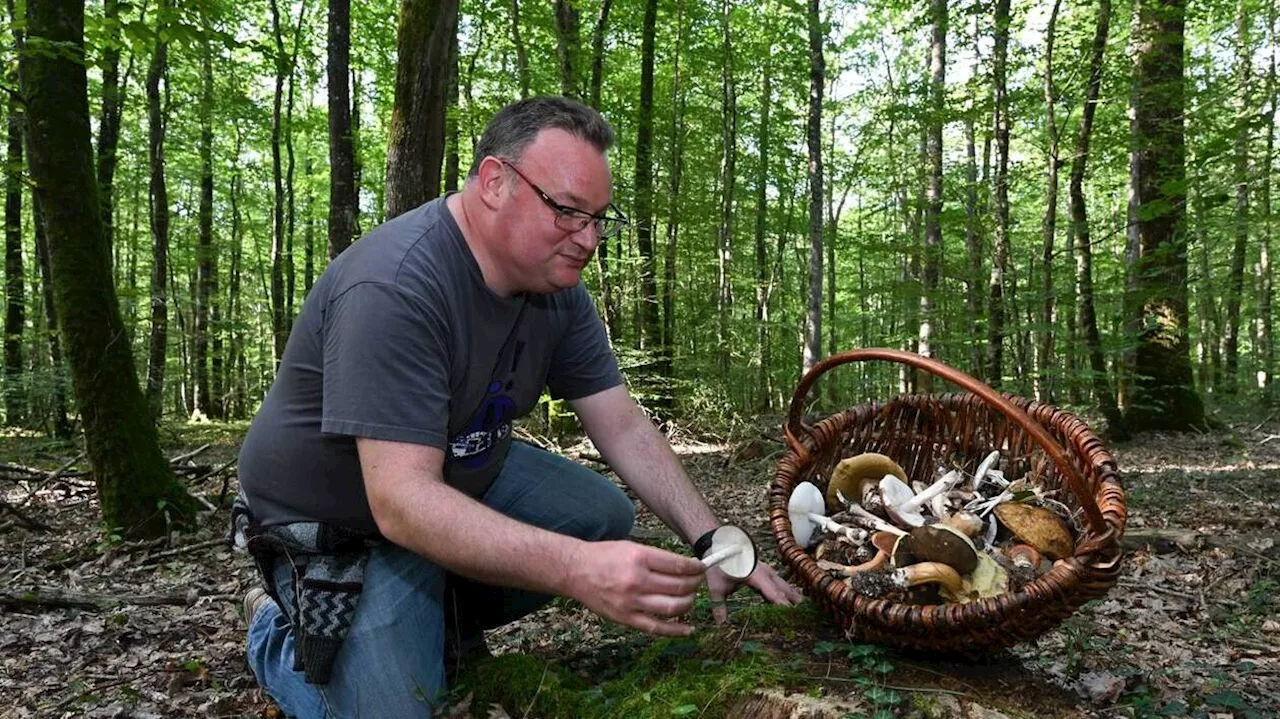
400,339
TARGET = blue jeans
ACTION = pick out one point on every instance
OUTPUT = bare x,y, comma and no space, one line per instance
392,661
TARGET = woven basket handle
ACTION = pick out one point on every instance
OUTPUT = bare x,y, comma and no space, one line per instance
796,430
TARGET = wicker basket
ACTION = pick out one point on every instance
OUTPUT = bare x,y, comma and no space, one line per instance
921,432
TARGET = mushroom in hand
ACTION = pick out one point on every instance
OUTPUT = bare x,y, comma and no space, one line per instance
733,551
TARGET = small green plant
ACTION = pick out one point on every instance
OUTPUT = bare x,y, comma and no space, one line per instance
870,668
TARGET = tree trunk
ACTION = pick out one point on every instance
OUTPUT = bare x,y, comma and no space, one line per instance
597,49
205,256
728,182
342,186
309,256
673,209
1163,395
973,248
1103,394
567,43
995,290
607,299
817,65
522,56
451,121
236,389
1207,299
933,192
137,490
1235,283
1264,199
762,213
279,332
159,224
15,316
109,118
650,329
1048,320
61,424
415,147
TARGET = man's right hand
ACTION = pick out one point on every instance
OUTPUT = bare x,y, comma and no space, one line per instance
636,585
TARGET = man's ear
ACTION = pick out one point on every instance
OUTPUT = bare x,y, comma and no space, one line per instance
492,180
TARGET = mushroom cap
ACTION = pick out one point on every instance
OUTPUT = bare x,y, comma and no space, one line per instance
1038,527
884,541
940,543
742,564
900,556
985,466
966,522
852,474
805,498
896,493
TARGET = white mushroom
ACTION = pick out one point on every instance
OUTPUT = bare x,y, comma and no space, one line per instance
734,552
904,506
806,508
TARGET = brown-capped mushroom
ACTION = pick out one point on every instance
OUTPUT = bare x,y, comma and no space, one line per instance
878,584
966,522
1037,527
940,543
857,479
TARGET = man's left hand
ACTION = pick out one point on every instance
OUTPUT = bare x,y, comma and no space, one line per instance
763,580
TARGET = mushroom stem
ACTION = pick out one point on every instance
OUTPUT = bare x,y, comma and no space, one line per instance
857,536
872,521
929,573
715,558
942,486
843,570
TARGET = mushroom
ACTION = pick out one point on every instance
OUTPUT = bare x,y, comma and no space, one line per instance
733,551
941,543
805,509
904,506
1024,564
878,584
984,467
988,579
857,479
966,522
1037,527
871,521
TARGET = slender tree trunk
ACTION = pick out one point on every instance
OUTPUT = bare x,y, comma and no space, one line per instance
291,216
1235,283
973,241
205,256
15,316
728,183
109,117
1048,320
279,331
996,313
650,329
451,121
1163,393
415,148
236,387
309,259
136,489
673,214
1102,392
597,49
762,212
522,55
61,424
817,68
1264,199
342,185
1207,299
159,225
933,192
567,43
357,164
609,303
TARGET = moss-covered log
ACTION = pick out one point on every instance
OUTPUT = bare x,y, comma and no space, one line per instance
138,492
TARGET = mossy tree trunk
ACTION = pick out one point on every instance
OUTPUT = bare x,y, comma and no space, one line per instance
137,490
1163,394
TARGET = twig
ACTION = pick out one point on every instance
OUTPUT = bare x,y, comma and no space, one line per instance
123,548
537,691
189,455
1258,426
215,472
206,503
154,558
23,519
57,598
94,690
52,476
1172,592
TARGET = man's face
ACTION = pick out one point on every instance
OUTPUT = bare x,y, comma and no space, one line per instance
573,173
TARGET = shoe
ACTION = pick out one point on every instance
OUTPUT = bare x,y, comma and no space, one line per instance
254,600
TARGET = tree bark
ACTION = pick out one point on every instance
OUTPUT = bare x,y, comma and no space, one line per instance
113,95
762,214
415,147
1163,395
309,259
1235,282
1264,199
451,121
236,388
995,290
650,329
728,182
597,49
673,209
522,55
136,488
607,299
1048,320
342,186
15,316
206,283
1102,392
159,203
973,246
933,192
567,43
817,65
61,424
279,333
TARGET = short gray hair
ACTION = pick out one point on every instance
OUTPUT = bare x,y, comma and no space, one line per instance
511,130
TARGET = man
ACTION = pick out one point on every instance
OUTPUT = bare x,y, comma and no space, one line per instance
384,500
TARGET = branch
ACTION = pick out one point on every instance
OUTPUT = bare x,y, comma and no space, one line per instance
23,519
54,598
189,455
155,558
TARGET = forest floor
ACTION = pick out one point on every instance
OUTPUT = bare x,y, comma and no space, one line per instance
95,627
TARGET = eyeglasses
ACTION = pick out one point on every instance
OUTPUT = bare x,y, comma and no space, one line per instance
571,219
